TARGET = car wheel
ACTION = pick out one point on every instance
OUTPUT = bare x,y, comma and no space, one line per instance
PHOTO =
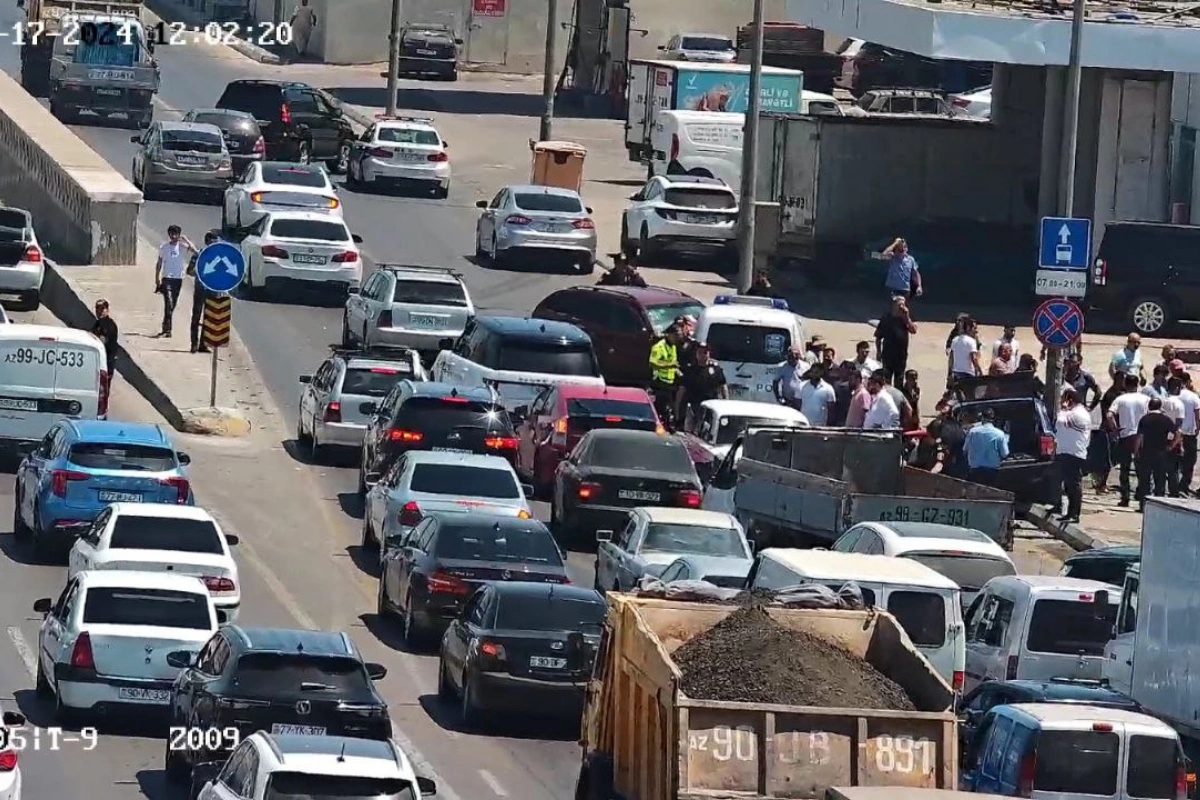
316,450
498,258
383,609
339,165
302,436
587,264
441,192
176,767
20,529
365,341
413,634
64,714
468,712
362,476
41,546
134,178
369,542
445,689
347,336
627,245
1149,315
42,684
647,249
304,153
480,254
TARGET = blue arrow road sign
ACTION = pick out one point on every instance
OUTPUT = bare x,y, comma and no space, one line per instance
1065,243
220,267
1058,323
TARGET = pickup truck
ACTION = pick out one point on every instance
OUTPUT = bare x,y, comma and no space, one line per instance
805,487
644,739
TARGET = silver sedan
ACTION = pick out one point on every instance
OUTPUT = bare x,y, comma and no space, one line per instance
532,220
183,156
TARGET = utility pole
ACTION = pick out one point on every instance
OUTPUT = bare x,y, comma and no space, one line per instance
1054,361
550,73
750,157
393,58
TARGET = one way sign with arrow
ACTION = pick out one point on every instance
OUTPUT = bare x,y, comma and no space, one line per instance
220,267
1065,243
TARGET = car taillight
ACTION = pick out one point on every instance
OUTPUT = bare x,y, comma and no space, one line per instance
1185,782
271,251
345,257
410,514
183,488
216,584
517,219
81,653
60,477
438,157
380,152
960,102
333,412
1046,446
502,442
8,760
32,255
589,491
401,435
492,650
385,320
1100,272
445,583
260,146
958,680
660,430
1010,672
583,225
332,202
1025,775
674,146
285,114
102,395
257,197
688,498
523,514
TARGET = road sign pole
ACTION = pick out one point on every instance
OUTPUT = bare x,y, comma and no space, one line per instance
212,386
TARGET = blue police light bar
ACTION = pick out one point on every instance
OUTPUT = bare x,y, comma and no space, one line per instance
742,300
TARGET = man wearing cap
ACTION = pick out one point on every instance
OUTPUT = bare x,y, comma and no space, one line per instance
664,374
1071,437
705,380
986,447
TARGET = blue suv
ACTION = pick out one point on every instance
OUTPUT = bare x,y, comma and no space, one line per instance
82,466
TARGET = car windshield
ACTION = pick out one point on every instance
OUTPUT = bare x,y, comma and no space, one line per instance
465,481
372,381
128,457
156,608
192,141
290,674
701,198
166,533
922,615
1105,570
970,572
408,136
284,175
705,43
436,418
556,203
1071,627
697,540
474,541
516,356
528,612
648,454
735,343
305,786
313,229
1078,762
729,428
433,293
601,407
13,225
661,317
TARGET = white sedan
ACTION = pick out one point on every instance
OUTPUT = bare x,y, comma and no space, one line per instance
302,248
103,645
156,537
975,104
403,151
275,185
10,747
682,213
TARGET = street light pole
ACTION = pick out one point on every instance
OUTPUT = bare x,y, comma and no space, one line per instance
750,156
550,73
393,58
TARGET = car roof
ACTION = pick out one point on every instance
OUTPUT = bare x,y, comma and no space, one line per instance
584,391
127,432
455,519
294,640
1060,712
529,188
339,755
137,579
647,296
404,122
228,112
695,180
535,329
369,362
437,389
753,408
173,125
1120,552
536,589
478,460
827,565
307,216
1069,691
933,530
666,515
416,272
620,434
762,316
161,510
267,82
716,565
1044,583
22,330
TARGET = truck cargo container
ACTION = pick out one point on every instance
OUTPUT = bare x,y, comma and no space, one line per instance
643,738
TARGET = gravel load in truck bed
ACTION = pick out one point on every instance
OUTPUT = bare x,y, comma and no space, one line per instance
750,658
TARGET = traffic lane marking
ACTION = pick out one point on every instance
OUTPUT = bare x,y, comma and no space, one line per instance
28,654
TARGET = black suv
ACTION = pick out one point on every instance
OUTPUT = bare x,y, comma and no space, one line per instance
1148,273
298,122
426,415
273,679
429,49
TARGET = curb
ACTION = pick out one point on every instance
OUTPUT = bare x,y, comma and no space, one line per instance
164,10
1069,533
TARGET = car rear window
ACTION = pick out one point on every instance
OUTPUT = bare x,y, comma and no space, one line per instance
661,317
554,203
549,613
693,540
436,417
603,407
434,293
261,100
1070,627
288,674
460,479
649,454
1153,764
309,786
128,457
227,120
161,608
970,572
372,381
747,344
407,136
1105,570
192,142
312,177
1077,762
13,225
705,43
316,230
548,358
701,198
731,427
166,533
922,615
475,542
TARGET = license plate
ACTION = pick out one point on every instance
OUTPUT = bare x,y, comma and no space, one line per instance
281,729
120,497
547,663
629,494
697,219
411,157
135,695
13,404
301,258
422,321
426,52
449,450
191,161
547,227
108,92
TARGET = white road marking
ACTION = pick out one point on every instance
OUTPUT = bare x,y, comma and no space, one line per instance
23,650
492,783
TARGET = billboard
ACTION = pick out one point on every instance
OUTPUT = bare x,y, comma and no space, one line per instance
710,90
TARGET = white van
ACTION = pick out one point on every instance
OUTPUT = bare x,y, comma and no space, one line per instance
750,336
48,374
1039,627
927,605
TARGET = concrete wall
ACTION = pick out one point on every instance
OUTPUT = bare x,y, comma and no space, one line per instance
85,212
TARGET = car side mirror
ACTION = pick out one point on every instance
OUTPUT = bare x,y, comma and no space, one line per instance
356,238
635,196
458,41
481,203
662,47
14,718
367,408
306,378
135,139
180,659
184,458
232,539
445,143
588,209
204,774
445,344
527,489
604,536
426,786
43,605
373,477
376,672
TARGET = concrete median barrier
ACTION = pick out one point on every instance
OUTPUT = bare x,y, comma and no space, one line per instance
85,212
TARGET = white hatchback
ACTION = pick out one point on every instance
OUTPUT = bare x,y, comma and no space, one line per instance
681,213
268,186
301,248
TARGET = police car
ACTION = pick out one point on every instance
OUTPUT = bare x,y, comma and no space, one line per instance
402,151
750,336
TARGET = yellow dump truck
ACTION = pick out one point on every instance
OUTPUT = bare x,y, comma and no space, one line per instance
644,739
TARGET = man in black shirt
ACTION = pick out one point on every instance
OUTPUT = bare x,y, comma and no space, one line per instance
704,381
105,330
891,339
1157,436
199,295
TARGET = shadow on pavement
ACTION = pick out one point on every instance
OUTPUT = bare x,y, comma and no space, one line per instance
17,551
153,784
448,717
138,724
366,560
351,504
390,633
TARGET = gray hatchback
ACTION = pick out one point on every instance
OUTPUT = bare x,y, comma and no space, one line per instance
181,156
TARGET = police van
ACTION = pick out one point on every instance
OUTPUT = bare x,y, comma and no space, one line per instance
48,374
750,337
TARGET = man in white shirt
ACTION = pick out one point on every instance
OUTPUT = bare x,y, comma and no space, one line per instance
863,361
173,258
964,353
884,414
1124,416
1071,436
816,396
1189,423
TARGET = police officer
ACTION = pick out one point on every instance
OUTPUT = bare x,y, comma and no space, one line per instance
199,295
664,374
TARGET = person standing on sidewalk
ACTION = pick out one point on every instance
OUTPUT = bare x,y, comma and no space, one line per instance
903,275
964,353
1124,416
1071,437
199,295
105,329
168,272
1157,436
892,339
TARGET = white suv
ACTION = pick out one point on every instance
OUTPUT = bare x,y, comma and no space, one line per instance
402,151
679,212
268,765
408,306
22,267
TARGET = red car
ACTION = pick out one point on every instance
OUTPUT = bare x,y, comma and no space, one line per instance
559,417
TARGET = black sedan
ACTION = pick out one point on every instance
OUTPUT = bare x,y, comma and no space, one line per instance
240,131
522,647
612,471
990,694
428,577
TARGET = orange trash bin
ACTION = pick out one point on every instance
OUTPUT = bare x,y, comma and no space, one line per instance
558,164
